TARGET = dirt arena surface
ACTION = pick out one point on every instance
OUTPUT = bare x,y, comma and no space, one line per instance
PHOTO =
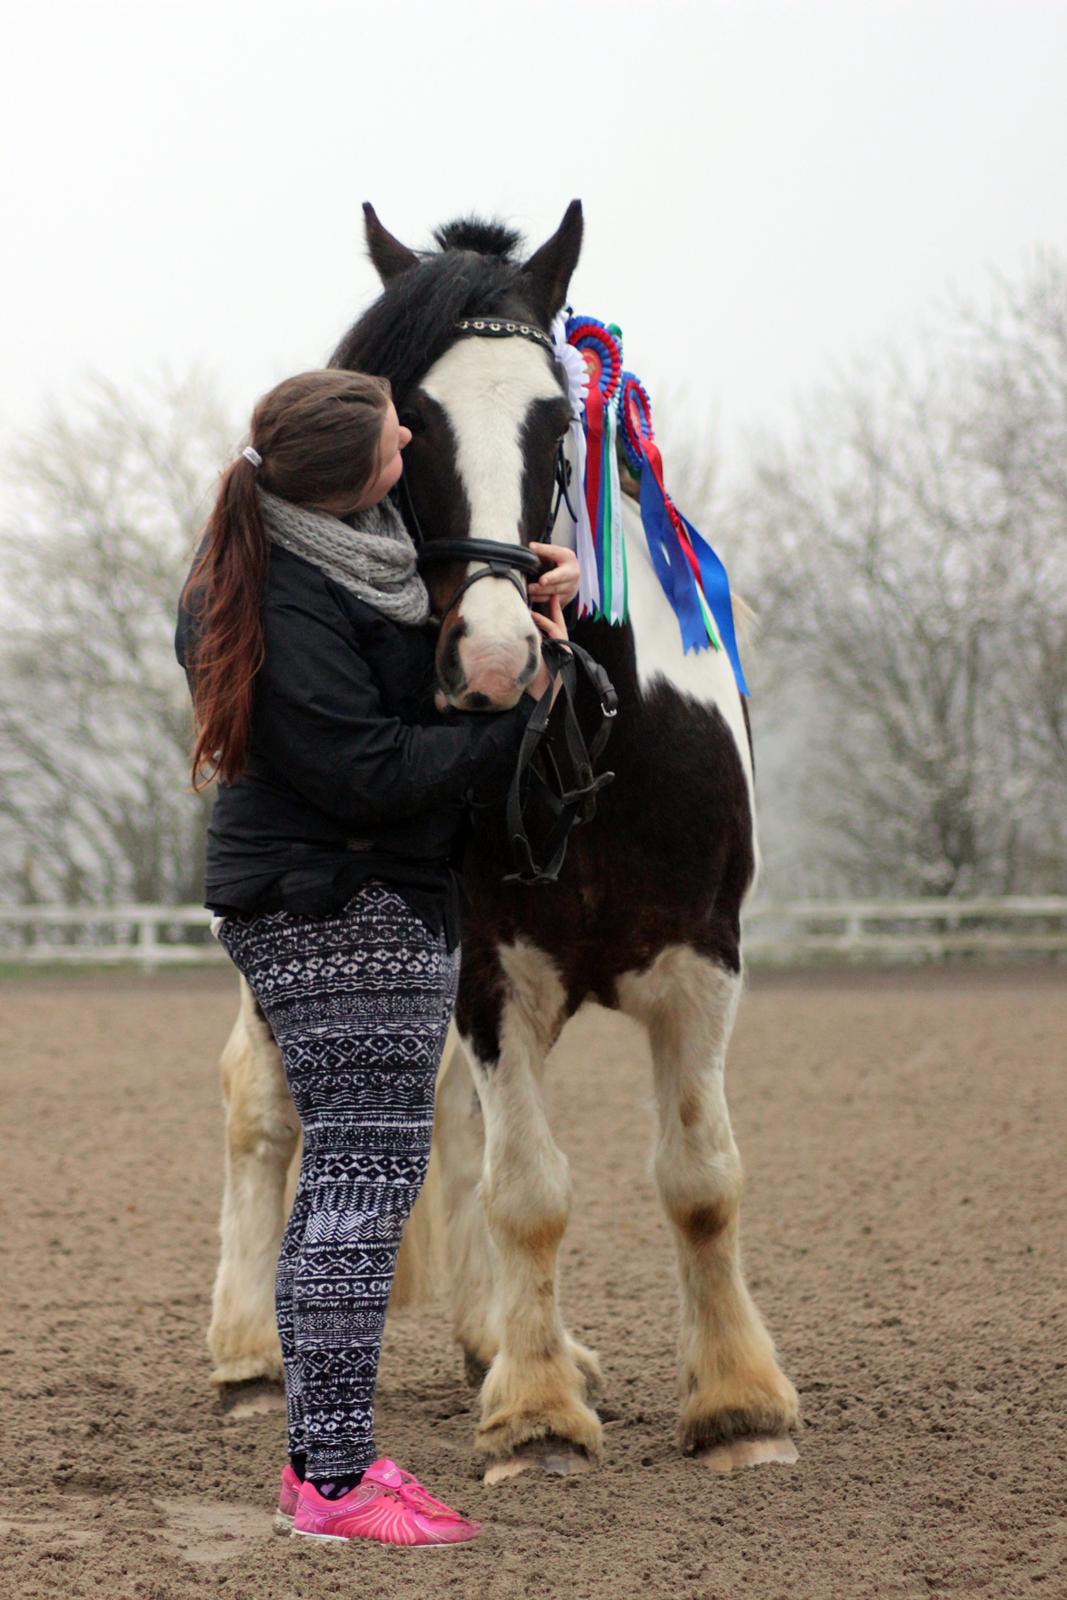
904,1136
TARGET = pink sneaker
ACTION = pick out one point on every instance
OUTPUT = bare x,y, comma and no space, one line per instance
288,1495
388,1505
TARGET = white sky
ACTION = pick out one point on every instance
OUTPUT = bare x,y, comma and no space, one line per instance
768,189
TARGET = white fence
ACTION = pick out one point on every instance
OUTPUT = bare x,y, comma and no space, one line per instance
151,936
907,930
789,931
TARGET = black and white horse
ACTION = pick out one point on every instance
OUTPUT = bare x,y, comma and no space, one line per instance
645,917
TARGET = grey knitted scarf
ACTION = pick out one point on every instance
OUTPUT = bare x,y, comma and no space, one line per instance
373,555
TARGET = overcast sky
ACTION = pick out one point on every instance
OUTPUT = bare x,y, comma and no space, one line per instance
769,190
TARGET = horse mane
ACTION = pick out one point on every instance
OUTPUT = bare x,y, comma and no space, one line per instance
410,325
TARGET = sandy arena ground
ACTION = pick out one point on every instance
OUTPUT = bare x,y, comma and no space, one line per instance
905,1137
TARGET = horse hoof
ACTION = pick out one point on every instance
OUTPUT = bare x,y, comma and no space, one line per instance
748,1453
265,1365
544,1455
254,1398
474,1369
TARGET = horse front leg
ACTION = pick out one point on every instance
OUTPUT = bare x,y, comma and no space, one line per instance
534,1396
738,1406
262,1131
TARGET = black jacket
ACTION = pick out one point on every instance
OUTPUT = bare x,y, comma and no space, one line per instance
351,771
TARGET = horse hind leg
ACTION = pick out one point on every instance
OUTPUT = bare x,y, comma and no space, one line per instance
460,1140
737,1405
262,1133
447,1219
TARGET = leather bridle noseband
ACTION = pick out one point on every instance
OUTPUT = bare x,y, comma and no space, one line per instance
516,564
502,561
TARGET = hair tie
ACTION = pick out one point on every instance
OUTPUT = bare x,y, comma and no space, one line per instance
252,455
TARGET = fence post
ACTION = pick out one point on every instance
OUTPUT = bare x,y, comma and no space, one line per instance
149,942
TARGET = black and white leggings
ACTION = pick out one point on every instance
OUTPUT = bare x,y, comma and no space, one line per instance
359,1002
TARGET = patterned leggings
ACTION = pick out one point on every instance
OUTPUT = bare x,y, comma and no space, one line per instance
359,1002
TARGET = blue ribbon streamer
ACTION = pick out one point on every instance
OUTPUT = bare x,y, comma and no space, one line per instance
717,594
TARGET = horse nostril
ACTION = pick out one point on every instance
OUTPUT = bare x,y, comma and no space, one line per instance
478,702
449,670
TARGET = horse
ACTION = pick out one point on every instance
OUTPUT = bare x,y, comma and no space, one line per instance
643,918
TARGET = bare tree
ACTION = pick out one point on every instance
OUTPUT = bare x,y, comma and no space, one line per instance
94,714
910,552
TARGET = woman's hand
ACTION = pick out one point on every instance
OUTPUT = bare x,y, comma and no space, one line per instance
562,577
552,626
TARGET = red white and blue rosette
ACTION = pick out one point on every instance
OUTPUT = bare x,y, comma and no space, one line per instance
601,351
635,421
600,347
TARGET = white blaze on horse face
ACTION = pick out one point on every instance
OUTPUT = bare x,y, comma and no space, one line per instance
705,674
486,388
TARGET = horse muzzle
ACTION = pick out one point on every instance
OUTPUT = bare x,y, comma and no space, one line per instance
481,668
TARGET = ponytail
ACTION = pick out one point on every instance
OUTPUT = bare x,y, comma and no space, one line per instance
315,435
223,594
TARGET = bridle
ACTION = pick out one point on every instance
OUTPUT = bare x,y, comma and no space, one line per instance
516,564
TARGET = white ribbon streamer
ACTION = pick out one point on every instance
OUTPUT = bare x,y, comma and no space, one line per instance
576,378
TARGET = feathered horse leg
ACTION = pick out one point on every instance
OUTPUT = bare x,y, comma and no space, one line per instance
737,1405
459,1142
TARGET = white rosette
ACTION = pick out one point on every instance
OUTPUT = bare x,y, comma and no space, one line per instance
576,378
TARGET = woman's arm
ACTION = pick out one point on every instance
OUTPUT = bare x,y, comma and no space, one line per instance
318,718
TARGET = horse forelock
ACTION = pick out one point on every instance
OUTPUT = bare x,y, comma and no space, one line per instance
487,237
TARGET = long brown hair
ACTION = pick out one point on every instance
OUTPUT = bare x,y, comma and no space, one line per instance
319,435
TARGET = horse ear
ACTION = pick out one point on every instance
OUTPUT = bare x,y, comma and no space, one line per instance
388,254
549,269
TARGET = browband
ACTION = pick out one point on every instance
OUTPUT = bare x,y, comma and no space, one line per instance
500,328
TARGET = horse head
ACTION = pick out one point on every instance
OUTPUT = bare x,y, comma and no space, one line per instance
462,333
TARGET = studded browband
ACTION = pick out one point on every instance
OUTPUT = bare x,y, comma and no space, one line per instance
498,328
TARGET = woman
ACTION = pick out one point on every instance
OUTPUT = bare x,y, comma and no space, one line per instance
331,867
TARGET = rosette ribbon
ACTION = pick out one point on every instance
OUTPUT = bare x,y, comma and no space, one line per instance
599,537
690,573
576,377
